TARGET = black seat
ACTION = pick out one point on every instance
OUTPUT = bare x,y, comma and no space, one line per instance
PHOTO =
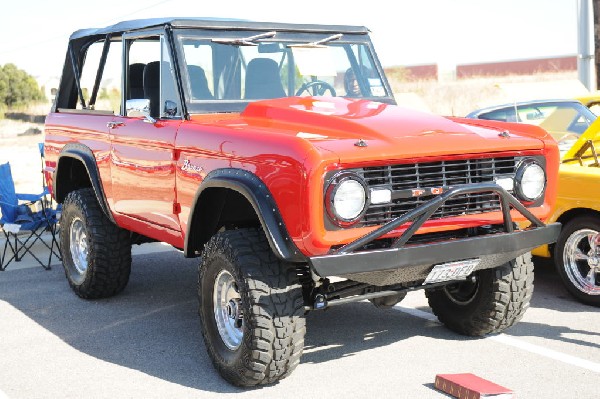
152,87
136,80
199,84
263,80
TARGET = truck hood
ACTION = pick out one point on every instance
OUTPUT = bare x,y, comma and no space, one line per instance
356,129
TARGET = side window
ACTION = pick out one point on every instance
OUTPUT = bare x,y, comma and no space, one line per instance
108,97
150,76
366,73
169,98
200,77
500,115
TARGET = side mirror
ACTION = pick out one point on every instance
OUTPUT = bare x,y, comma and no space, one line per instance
139,107
170,108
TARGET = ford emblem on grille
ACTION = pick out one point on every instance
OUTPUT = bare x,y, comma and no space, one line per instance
417,192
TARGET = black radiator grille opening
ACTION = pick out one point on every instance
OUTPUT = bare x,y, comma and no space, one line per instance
436,175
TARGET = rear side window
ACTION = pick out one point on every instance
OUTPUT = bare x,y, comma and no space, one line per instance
108,97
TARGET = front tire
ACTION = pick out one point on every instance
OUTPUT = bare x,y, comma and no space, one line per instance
96,253
251,309
493,302
576,261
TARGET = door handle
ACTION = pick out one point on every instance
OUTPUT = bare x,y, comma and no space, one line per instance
112,125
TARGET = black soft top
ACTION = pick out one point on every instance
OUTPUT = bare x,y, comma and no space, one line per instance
215,23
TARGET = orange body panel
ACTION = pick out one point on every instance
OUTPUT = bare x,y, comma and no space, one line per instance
290,144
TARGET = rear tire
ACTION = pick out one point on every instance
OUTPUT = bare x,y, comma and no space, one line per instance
495,301
251,309
388,302
96,253
572,259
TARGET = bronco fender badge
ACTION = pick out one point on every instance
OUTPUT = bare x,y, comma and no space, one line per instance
190,167
361,143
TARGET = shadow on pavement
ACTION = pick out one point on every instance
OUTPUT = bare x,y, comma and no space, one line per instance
548,287
549,293
153,326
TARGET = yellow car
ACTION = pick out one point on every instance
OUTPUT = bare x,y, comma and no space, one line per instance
564,119
592,101
576,253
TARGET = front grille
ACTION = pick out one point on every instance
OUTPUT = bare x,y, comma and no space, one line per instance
404,178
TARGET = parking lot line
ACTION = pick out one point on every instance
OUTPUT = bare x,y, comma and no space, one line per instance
3,395
549,353
517,343
417,313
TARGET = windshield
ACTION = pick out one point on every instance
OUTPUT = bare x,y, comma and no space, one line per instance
564,120
560,117
225,71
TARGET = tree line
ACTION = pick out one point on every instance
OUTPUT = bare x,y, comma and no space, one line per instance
17,87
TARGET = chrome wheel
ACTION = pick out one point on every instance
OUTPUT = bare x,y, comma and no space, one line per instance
581,259
227,306
462,293
78,245
251,308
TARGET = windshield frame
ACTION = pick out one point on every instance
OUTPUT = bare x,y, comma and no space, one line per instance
284,37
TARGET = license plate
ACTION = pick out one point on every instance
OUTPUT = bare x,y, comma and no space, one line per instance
458,270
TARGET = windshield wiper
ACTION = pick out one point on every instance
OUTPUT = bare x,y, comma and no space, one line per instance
246,41
318,43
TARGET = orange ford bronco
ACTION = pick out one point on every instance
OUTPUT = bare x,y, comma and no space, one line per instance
276,154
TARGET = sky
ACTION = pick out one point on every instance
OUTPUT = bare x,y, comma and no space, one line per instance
34,33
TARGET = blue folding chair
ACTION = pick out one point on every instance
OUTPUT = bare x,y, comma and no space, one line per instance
24,221
49,201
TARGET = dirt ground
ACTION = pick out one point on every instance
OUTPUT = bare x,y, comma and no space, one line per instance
22,152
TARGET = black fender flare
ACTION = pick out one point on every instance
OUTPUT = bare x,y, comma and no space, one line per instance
261,200
86,157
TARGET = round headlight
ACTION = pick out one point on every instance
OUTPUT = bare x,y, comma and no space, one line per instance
531,181
346,198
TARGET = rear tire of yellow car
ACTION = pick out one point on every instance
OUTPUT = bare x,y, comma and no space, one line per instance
574,272
495,301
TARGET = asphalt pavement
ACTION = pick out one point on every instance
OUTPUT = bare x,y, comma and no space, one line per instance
146,342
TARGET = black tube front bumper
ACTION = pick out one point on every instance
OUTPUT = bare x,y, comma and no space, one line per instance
404,262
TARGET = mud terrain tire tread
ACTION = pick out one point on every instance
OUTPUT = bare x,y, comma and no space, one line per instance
274,323
502,297
109,248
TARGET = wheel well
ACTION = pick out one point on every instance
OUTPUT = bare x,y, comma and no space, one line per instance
572,214
216,209
71,175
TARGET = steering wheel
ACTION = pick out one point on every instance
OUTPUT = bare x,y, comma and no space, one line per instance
318,87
